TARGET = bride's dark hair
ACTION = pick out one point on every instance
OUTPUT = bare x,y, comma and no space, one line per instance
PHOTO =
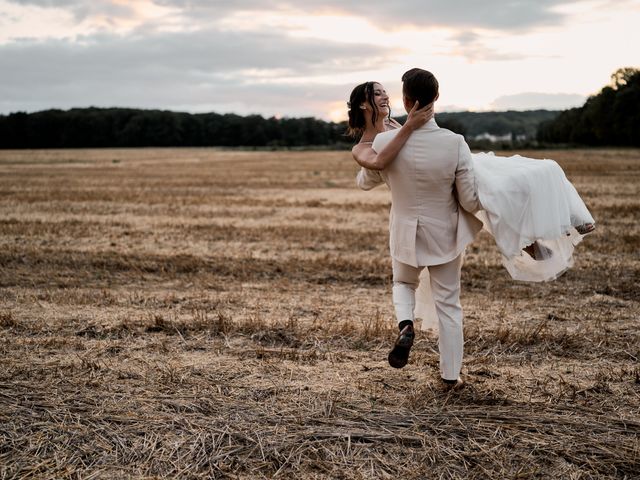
359,95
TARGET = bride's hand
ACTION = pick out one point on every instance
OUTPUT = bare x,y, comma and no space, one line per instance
418,116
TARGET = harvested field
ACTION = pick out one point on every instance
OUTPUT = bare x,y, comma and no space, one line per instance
196,313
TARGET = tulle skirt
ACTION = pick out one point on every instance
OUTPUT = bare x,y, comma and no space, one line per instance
524,201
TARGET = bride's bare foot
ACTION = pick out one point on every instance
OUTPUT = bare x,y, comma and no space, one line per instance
585,228
538,251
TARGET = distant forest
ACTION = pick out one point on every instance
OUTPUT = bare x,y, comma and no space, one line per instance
499,124
125,127
610,118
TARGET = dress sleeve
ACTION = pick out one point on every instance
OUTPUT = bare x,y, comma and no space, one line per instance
368,179
466,183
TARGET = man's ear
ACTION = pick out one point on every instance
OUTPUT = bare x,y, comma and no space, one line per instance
437,96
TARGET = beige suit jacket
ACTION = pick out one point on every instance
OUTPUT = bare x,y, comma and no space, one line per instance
430,179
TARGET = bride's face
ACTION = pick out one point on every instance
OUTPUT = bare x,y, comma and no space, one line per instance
380,100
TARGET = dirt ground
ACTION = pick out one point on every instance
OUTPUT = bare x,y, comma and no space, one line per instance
197,313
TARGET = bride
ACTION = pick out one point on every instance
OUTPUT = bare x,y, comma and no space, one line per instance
529,206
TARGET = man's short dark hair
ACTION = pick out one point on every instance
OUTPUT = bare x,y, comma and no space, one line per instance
420,85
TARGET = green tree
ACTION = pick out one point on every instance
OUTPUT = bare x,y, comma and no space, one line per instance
612,117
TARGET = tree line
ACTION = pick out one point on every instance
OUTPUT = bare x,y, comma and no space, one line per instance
126,127
510,122
610,118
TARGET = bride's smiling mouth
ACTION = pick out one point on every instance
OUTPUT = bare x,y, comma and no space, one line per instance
381,99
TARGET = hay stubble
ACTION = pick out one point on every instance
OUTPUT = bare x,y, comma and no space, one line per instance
198,313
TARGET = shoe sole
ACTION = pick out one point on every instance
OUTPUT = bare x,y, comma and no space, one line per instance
399,355
454,387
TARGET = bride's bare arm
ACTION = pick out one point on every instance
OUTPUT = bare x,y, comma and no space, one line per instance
367,156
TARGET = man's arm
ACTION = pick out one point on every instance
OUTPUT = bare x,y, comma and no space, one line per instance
368,179
466,185
381,154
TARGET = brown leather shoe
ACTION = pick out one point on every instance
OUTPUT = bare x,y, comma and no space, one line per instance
453,385
399,355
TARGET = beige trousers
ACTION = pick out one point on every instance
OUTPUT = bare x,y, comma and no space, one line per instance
445,287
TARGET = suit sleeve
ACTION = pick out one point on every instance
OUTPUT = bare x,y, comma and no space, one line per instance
466,183
367,179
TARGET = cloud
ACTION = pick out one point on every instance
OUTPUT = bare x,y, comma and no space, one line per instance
281,56
472,46
208,52
82,9
164,93
534,101
49,3
490,14
247,73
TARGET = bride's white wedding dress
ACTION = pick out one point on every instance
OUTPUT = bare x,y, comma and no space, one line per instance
524,201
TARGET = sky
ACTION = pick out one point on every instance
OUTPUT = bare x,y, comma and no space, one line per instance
303,58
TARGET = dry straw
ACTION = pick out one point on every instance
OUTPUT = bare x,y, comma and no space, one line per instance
205,314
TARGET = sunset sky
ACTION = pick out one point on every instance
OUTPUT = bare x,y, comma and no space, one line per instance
302,58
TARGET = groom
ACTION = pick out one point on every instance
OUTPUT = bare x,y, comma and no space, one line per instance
433,191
